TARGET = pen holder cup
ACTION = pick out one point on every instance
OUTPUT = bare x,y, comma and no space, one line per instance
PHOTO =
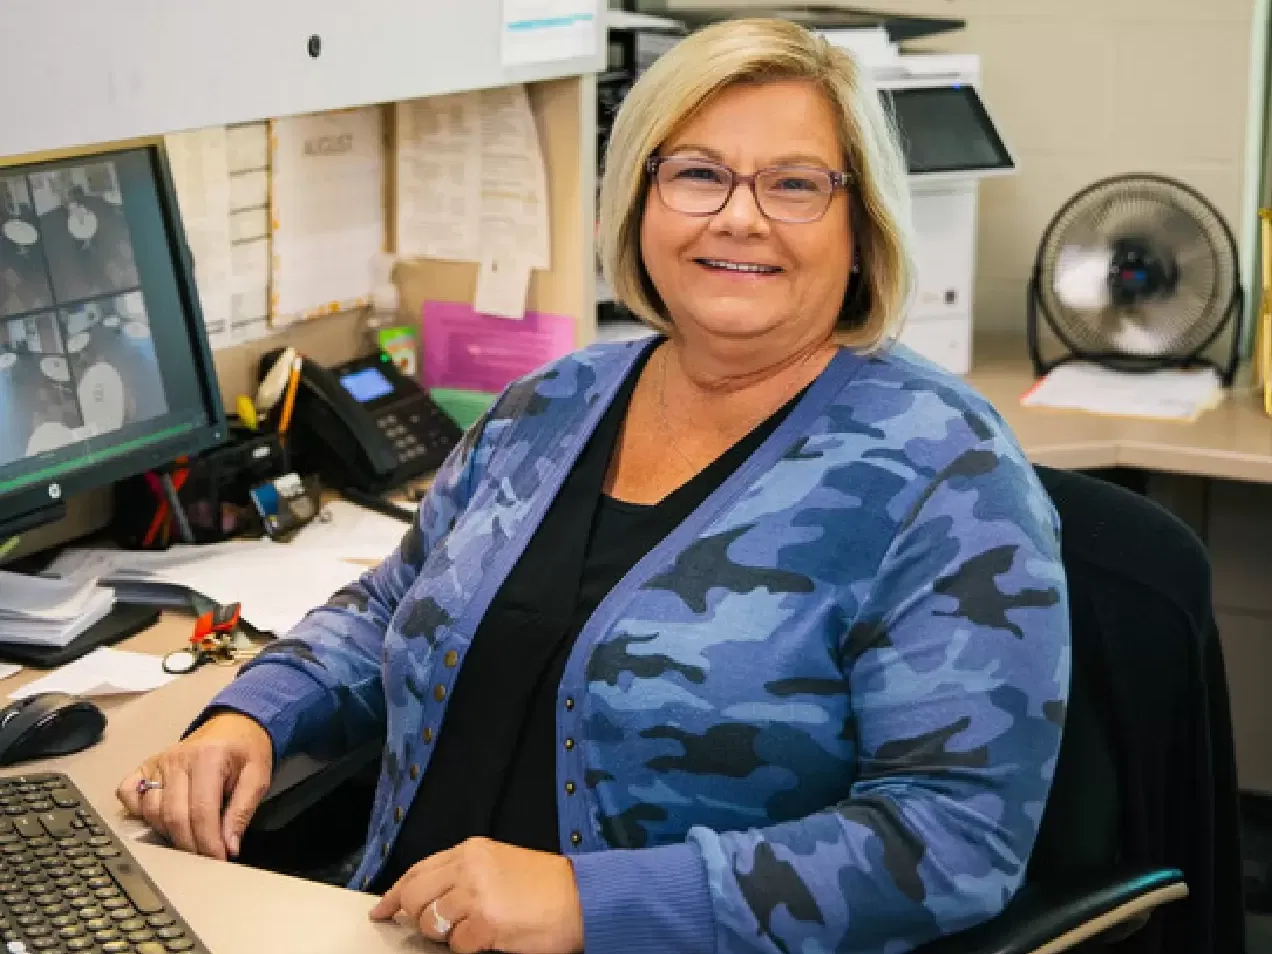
213,491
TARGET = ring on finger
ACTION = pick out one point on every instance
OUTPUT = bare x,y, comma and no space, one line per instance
440,924
146,785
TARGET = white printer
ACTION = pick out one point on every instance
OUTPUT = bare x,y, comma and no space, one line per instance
950,144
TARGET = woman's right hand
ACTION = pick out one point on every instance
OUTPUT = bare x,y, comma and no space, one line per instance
229,755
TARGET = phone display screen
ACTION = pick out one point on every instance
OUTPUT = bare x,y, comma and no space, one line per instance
366,384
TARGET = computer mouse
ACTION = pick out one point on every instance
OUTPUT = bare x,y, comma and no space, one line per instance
48,724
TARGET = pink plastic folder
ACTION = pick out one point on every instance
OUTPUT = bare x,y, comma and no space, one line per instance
464,349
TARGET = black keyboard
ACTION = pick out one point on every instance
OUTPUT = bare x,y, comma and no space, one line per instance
68,884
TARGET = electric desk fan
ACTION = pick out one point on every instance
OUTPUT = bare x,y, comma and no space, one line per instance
1136,273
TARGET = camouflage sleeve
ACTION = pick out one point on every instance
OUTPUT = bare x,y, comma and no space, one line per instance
328,667
958,669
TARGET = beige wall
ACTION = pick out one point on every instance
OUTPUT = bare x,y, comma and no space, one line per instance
1083,89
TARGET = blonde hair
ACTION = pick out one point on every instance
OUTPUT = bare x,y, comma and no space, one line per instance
682,80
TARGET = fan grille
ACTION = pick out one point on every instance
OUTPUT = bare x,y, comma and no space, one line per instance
1174,222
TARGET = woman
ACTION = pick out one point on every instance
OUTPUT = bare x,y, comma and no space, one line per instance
730,640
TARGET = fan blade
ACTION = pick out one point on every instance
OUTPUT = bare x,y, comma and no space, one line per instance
1081,280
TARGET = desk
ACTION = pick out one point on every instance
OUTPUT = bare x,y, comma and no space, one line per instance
1232,442
233,909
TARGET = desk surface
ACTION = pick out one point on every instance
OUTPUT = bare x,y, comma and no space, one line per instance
233,909
1231,442
236,909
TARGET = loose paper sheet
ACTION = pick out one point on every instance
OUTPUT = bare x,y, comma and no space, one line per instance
438,158
103,672
514,185
541,31
1168,394
201,175
248,146
502,284
327,211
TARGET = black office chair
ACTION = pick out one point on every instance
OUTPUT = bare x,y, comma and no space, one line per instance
1101,877
1096,879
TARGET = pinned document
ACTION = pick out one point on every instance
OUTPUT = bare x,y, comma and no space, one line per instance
327,211
544,31
438,176
514,184
475,352
201,175
503,281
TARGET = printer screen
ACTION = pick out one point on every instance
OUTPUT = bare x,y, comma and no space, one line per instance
946,129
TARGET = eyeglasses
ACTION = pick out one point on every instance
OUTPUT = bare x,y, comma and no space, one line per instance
793,194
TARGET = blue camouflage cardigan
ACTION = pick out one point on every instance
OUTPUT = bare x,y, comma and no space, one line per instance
822,715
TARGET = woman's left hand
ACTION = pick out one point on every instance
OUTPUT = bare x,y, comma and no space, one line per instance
494,896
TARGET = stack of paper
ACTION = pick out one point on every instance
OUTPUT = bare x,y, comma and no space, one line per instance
47,612
1168,394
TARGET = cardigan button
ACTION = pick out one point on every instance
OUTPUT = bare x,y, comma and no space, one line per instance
427,735
366,882
384,850
397,814
576,838
569,703
415,772
569,788
451,659
569,744
439,692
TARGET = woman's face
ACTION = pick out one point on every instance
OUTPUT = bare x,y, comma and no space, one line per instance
796,273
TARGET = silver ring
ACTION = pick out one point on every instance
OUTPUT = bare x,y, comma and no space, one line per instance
440,924
145,785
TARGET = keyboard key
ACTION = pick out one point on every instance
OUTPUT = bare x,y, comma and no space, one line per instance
28,827
63,798
58,823
116,947
162,919
134,884
123,914
151,947
132,924
169,933
145,934
79,944
110,934
44,943
179,944
70,931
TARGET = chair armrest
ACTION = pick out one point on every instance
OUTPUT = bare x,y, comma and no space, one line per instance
1048,918
301,781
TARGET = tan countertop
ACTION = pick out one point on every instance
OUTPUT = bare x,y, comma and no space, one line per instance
1231,442
233,909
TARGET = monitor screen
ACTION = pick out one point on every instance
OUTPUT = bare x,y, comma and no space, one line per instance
366,384
946,129
104,363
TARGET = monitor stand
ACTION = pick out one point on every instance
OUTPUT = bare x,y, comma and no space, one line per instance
126,619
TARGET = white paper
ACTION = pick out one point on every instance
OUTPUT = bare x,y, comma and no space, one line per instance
514,186
9,669
201,175
438,175
103,672
1161,395
541,31
503,281
351,532
327,211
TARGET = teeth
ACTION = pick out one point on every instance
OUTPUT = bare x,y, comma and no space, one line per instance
739,266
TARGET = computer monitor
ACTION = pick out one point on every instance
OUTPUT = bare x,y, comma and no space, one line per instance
105,368
946,129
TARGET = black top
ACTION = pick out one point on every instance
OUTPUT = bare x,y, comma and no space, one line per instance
494,771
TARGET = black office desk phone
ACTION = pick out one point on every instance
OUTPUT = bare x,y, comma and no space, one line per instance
364,425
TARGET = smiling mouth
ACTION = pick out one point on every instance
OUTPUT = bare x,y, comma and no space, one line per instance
745,268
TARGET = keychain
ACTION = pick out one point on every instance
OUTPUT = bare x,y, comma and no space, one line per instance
213,641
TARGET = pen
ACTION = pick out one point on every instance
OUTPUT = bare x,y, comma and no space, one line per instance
289,402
